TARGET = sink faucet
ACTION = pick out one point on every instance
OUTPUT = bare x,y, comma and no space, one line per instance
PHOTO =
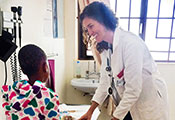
88,74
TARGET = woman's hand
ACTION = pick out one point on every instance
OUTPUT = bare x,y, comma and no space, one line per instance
86,116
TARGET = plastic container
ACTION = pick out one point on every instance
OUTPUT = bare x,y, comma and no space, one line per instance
78,70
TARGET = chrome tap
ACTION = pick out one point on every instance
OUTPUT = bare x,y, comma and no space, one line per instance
88,74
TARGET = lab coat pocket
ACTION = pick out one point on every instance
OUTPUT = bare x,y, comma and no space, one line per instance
149,107
159,94
161,89
120,82
120,85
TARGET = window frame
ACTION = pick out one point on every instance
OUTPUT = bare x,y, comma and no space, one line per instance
142,30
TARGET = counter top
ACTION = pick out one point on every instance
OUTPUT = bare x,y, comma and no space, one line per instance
76,111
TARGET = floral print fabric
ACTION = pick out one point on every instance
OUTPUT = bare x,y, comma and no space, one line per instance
25,102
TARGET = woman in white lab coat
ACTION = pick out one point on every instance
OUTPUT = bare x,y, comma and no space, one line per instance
137,80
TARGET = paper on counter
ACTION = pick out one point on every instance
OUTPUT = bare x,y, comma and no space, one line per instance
76,111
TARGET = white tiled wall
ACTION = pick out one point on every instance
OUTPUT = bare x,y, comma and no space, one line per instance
167,71
84,67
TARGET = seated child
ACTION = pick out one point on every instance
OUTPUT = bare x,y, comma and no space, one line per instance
31,100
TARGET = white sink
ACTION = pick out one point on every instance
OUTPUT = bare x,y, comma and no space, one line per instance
85,85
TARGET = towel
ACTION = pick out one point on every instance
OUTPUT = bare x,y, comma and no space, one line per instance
51,82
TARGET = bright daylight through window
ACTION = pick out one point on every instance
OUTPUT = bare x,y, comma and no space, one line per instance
152,20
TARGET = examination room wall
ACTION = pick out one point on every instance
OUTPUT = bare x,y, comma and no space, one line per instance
76,97
33,16
66,47
73,96
167,71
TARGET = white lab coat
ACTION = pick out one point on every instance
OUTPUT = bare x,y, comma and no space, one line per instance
144,93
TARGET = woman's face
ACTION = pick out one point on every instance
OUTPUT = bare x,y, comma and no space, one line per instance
94,28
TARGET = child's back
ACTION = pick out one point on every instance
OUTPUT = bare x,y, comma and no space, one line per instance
26,100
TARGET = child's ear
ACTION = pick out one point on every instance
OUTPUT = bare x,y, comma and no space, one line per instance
23,71
45,67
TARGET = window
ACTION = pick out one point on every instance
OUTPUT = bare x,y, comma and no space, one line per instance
153,21
84,53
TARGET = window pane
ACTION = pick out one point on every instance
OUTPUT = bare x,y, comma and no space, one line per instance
152,42
112,5
172,45
150,29
166,8
157,44
89,53
123,23
123,8
134,26
153,8
159,56
135,8
173,35
164,27
172,56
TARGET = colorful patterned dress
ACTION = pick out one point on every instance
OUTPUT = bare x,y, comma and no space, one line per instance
25,102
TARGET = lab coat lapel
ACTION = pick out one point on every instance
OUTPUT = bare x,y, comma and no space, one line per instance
115,57
116,38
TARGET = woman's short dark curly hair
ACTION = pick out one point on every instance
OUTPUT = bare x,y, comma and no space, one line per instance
101,13
30,58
